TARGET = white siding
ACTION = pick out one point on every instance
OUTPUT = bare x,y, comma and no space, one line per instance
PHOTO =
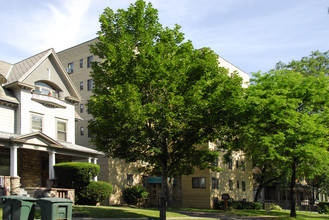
50,115
7,119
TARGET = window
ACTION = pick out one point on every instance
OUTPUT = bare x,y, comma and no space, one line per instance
4,164
243,185
90,84
215,163
61,130
89,61
81,108
81,63
36,122
237,184
198,182
243,166
70,68
81,85
214,183
45,89
130,179
82,131
230,163
237,164
230,184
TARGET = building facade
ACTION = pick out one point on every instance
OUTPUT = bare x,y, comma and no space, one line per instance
37,122
122,175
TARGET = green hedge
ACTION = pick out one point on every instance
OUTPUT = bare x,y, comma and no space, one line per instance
95,192
76,175
239,205
323,207
134,195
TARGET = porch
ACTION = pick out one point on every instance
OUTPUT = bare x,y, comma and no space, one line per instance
26,164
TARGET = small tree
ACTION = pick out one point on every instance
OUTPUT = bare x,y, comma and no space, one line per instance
287,115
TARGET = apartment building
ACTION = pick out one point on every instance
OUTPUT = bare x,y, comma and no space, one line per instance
189,191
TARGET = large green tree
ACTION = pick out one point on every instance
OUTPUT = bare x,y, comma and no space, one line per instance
287,121
156,98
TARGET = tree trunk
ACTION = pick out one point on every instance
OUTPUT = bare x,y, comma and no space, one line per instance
293,190
164,190
259,190
170,192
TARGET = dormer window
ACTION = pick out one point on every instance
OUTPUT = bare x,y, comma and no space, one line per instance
45,89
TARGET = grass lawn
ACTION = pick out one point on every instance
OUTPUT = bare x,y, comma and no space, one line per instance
120,212
276,214
282,214
126,212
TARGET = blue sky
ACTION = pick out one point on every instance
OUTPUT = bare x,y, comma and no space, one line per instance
252,34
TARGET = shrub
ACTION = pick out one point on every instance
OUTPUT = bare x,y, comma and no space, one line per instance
323,207
240,205
275,207
94,193
134,195
76,175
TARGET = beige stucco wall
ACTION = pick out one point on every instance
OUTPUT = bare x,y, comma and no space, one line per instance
73,55
203,198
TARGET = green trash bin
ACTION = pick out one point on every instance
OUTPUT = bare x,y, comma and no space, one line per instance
55,208
18,208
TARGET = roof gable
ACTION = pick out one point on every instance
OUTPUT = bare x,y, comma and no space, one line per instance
21,73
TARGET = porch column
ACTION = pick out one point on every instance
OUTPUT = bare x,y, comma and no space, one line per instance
52,162
89,159
95,162
13,161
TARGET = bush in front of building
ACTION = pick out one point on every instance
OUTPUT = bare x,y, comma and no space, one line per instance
323,207
75,175
275,207
238,205
135,195
95,192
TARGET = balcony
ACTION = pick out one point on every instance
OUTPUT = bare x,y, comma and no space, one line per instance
47,100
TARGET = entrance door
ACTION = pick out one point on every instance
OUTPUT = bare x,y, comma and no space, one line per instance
44,171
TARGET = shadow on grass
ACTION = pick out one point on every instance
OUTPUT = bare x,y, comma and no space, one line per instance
104,212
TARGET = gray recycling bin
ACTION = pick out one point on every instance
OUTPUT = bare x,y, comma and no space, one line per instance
55,208
18,208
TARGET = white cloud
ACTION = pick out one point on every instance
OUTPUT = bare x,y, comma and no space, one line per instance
50,26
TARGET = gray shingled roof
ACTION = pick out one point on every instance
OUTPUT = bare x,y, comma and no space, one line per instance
20,68
7,96
4,68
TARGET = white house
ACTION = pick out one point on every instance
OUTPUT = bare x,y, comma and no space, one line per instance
37,122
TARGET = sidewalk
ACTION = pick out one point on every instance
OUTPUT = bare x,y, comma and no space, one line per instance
191,215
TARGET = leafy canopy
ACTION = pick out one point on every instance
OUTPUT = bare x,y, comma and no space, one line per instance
157,98
286,119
